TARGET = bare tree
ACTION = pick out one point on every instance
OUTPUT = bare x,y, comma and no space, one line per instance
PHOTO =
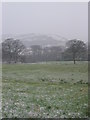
11,50
7,50
76,48
17,49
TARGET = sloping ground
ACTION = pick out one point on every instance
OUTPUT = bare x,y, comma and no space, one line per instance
53,89
38,39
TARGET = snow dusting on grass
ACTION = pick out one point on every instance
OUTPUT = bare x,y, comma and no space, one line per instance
49,90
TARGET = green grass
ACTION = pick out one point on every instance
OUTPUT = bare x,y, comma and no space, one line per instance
45,90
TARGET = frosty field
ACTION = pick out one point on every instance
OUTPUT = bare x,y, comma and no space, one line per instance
45,90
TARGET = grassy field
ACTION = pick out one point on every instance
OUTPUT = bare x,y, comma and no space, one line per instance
45,90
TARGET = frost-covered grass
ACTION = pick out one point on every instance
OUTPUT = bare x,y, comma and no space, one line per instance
45,90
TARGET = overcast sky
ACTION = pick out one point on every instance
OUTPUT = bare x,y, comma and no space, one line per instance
69,20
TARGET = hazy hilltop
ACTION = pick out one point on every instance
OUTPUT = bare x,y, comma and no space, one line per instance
38,39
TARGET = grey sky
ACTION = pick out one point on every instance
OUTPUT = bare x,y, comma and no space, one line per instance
69,20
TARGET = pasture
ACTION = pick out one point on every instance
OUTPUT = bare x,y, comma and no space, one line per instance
45,90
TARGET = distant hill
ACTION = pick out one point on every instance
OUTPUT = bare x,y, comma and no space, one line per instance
38,39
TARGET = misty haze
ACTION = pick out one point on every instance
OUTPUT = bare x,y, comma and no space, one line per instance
44,60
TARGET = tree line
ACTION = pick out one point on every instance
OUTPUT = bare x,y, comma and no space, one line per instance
14,51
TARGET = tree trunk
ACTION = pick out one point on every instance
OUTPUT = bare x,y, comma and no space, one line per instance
74,56
74,62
